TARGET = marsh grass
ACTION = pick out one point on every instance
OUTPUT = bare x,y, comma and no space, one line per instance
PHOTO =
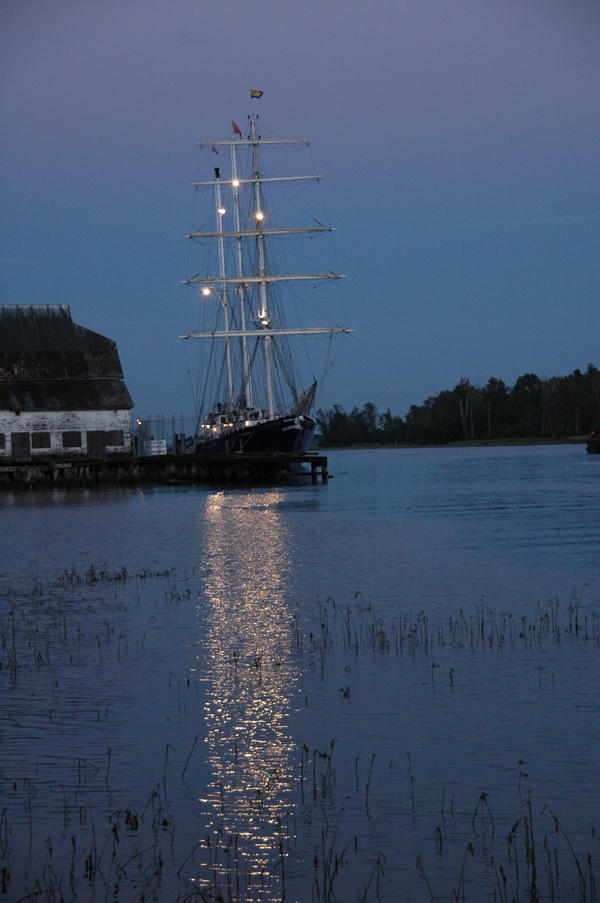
357,628
71,830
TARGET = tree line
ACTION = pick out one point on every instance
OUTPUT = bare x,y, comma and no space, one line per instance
533,408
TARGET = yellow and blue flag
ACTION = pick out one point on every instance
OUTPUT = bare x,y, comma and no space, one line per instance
255,94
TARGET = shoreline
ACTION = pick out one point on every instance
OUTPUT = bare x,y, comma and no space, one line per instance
461,443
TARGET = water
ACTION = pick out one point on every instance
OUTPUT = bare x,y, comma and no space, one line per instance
350,691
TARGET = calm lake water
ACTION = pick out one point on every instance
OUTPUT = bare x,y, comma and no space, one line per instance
384,688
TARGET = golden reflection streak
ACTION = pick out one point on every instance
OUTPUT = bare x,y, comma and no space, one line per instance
251,674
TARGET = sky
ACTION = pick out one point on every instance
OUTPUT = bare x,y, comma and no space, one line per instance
460,144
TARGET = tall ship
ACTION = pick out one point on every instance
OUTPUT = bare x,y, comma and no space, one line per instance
254,392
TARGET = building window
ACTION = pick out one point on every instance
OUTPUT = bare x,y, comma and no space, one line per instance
2,442
40,440
114,437
71,439
20,444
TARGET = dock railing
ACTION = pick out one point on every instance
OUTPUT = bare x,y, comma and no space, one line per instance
156,434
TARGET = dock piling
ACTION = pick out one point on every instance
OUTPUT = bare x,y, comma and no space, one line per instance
234,469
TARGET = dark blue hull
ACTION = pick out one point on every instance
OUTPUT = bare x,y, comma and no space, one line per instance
286,435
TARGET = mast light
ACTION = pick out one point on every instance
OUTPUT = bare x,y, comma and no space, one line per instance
206,291
221,211
259,215
236,183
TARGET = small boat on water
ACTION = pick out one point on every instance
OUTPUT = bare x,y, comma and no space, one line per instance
251,396
593,443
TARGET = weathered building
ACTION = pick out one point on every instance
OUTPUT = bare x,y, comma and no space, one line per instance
62,390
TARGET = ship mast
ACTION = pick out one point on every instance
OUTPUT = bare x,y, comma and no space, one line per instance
236,282
247,387
223,294
263,313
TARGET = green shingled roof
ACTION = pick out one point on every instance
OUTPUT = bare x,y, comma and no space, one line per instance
46,327
47,362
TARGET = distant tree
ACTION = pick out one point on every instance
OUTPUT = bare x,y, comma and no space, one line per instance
333,425
391,430
550,398
495,398
570,404
435,421
557,406
471,409
359,427
526,404
369,416
418,423
592,382
446,418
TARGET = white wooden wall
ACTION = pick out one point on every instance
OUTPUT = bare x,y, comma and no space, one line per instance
55,422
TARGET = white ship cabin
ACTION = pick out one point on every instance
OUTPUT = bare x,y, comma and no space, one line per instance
62,390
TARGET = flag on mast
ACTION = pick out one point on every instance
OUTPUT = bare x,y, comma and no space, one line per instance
236,129
255,94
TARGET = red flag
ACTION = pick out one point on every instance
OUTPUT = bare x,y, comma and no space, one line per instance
236,129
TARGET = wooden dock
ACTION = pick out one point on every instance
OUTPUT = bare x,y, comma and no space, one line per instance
166,470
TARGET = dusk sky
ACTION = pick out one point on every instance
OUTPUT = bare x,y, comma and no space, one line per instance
460,144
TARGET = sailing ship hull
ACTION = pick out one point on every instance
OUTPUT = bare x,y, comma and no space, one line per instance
283,435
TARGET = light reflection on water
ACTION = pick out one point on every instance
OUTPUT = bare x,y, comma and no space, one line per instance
414,532
250,673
